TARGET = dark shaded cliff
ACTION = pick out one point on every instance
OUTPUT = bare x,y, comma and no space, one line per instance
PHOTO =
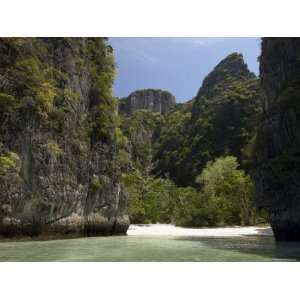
278,141
59,169
151,100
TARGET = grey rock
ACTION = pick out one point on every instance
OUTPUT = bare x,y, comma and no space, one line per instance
151,100
52,188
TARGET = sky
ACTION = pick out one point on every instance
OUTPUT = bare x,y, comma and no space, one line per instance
177,65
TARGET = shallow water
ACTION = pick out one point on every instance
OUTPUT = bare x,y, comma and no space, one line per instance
145,248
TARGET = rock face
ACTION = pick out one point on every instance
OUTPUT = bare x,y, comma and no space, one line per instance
150,100
278,141
229,69
59,170
142,130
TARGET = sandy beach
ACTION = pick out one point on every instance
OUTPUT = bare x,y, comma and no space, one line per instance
171,230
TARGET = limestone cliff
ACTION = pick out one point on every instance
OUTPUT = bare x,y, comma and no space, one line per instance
142,130
220,120
59,168
150,100
278,141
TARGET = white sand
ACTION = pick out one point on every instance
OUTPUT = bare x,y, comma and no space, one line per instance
171,230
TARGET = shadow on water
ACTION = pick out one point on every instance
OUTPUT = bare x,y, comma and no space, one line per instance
264,245
265,231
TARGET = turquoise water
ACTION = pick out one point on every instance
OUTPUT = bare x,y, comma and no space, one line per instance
137,248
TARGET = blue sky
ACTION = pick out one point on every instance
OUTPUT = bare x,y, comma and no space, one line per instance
175,64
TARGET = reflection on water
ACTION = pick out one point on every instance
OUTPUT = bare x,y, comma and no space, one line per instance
134,248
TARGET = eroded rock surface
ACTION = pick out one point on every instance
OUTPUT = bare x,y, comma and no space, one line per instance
150,100
59,170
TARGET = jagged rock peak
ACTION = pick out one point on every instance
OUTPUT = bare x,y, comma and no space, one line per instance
153,100
232,67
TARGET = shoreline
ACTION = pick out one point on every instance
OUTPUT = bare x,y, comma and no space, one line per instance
172,230
157,230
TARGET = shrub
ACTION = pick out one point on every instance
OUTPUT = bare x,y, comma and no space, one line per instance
54,149
227,192
98,182
70,95
45,94
9,162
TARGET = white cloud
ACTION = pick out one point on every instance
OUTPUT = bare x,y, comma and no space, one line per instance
148,50
134,47
185,41
202,42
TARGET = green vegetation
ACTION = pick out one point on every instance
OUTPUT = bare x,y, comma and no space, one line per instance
36,80
221,120
229,191
33,79
70,96
98,182
225,196
142,131
9,162
45,95
142,92
106,121
170,149
54,149
191,166
150,199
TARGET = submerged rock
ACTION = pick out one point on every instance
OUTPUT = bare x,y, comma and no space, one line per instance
278,140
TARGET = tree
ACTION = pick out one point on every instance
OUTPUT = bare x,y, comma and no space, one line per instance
228,192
